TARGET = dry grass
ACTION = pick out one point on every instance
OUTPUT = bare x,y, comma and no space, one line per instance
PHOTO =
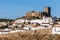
31,35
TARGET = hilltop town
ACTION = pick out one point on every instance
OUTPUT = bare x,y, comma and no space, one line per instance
32,21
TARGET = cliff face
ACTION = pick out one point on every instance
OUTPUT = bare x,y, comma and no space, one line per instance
31,35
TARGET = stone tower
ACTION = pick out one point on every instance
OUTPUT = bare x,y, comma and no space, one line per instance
48,11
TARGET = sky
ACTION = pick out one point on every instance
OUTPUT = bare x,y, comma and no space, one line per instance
13,9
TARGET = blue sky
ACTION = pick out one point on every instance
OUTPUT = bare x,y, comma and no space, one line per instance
17,8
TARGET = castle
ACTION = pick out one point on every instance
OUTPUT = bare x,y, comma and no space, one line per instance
47,13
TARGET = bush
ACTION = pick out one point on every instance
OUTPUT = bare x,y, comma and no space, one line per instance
3,27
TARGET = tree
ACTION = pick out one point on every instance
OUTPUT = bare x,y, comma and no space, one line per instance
55,19
3,27
6,20
15,26
59,19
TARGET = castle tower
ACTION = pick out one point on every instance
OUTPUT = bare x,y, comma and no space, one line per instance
48,11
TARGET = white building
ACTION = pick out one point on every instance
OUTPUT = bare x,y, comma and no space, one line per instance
56,29
21,20
37,20
3,23
45,20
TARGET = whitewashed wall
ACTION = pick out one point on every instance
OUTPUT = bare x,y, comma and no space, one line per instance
56,30
37,20
47,19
